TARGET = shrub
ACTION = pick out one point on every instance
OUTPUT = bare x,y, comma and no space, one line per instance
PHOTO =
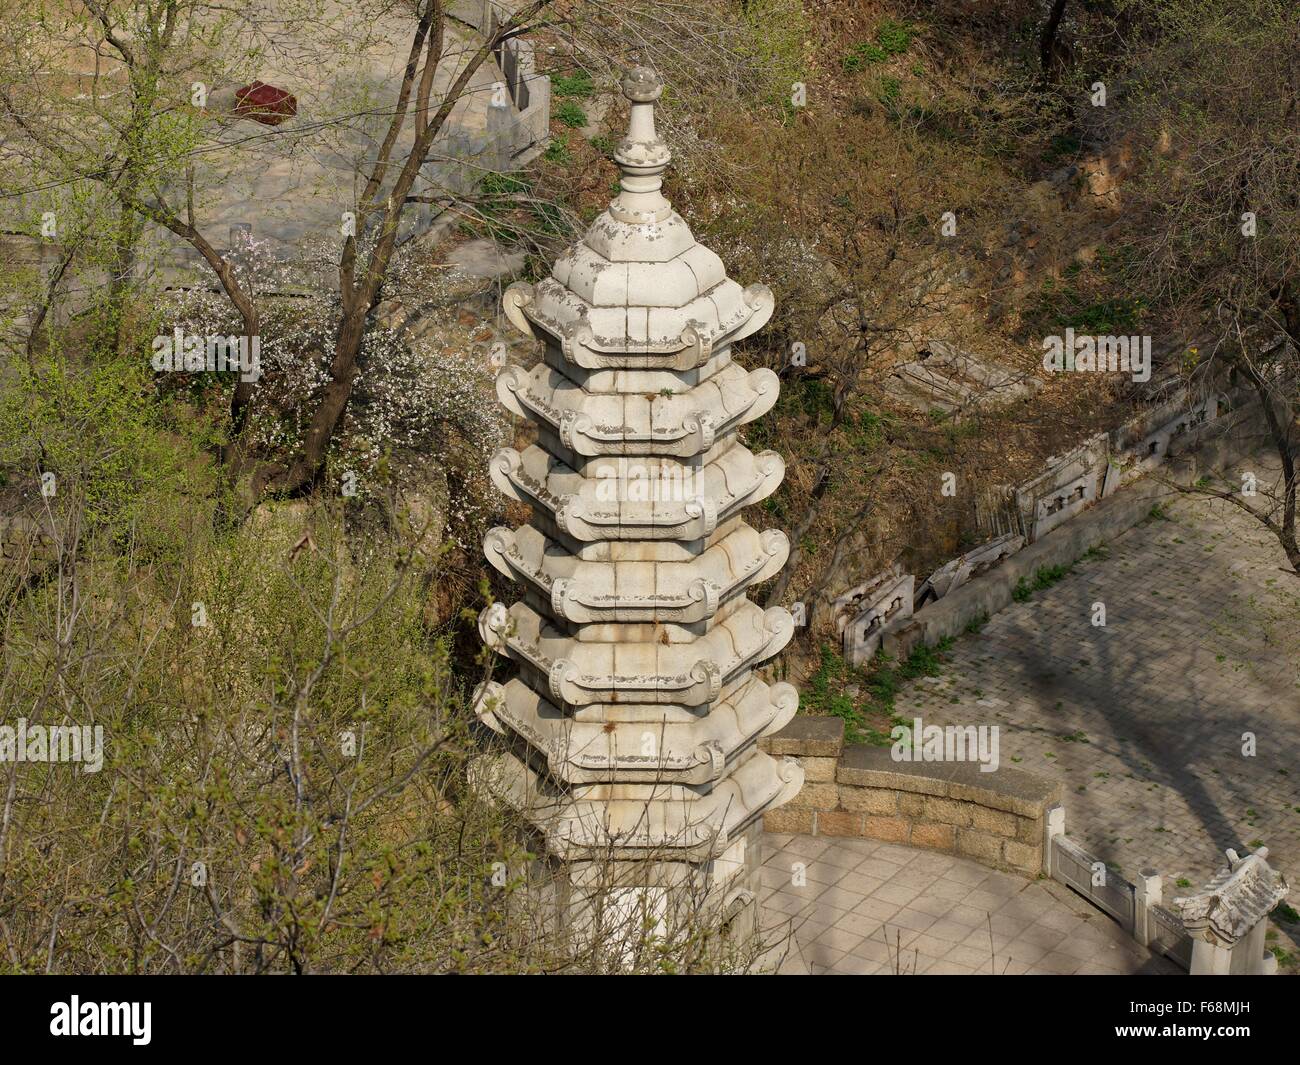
571,114
892,38
577,85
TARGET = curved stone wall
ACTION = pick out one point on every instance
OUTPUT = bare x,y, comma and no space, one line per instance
998,818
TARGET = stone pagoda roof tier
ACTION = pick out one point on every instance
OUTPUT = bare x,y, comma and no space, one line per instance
635,590
696,750
630,504
682,424
647,822
578,672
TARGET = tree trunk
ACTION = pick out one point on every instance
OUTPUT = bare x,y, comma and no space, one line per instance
1047,47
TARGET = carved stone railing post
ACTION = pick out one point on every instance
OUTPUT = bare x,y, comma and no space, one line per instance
1227,919
630,727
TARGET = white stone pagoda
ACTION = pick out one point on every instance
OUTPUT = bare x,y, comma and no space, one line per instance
630,728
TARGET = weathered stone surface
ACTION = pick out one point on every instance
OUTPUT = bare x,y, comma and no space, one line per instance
1238,897
868,800
1022,857
993,821
864,615
1012,790
816,797
912,804
890,829
1009,790
808,734
872,767
966,567
939,837
839,823
1070,483
819,770
979,845
949,812
789,821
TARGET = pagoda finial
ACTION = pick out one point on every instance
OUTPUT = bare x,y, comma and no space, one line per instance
641,156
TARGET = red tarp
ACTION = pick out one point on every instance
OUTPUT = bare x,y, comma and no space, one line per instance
265,103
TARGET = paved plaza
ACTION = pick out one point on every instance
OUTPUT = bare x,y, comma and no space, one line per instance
858,907
1149,720
1146,719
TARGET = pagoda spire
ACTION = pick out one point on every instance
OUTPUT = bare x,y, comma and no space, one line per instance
642,157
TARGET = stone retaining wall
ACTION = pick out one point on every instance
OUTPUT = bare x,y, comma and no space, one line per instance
998,818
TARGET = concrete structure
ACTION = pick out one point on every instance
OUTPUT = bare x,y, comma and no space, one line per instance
1070,484
1236,431
630,730
1012,821
1142,444
1143,720
869,907
522,123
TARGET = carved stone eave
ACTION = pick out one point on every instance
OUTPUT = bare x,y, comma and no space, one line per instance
1240,895
580,672
671,338
681,425
615,507
657,822
639,591
697,750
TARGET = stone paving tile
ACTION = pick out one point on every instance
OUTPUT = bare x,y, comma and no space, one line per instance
949,931
860,883
843,857
1034,926
873,949
877,908
932,905
826,873
898,893
1143,719
852,965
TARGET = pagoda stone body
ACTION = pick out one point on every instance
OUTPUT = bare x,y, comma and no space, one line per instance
632,722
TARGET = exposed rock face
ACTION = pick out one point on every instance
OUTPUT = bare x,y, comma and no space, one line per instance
632,722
